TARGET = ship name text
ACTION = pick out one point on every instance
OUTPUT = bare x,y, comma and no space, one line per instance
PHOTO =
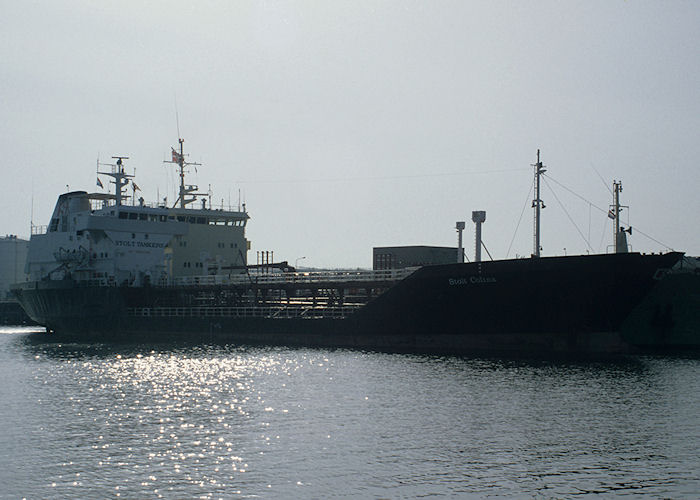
135,243
472,280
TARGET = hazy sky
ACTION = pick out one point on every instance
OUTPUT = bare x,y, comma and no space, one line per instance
348,125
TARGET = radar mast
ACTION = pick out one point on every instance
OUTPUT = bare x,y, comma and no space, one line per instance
121,178
188,193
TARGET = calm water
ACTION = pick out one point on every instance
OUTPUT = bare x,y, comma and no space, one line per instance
101,421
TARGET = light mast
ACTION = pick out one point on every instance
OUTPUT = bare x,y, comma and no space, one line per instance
537,203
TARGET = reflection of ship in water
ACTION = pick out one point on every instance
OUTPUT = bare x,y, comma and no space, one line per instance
104,269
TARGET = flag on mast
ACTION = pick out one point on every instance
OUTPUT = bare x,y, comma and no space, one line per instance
611,214
176,156
99,183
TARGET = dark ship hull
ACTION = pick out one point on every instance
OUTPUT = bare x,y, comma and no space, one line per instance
668,318
11,313
548,305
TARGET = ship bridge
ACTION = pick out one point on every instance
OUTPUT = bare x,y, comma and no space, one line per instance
98,236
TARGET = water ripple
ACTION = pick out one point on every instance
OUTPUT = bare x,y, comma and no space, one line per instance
95,421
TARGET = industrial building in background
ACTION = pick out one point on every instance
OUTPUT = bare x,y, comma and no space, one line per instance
13,256
411,256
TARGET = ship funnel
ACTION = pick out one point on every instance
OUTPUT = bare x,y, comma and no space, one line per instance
478,217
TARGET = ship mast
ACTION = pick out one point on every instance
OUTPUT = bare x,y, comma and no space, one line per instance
121,178
619,237
179,159
537,204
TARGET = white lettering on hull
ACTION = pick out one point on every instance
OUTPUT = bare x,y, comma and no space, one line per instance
472,280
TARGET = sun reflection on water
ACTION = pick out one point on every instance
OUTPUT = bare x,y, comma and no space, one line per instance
167,419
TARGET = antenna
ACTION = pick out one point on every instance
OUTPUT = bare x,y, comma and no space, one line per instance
31,213
177,117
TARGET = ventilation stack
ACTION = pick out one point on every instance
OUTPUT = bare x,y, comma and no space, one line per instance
478,217
460,248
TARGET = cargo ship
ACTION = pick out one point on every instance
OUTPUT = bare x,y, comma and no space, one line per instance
104,269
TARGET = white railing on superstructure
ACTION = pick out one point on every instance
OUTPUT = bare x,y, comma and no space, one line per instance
39,229
315,277
260,311
97,204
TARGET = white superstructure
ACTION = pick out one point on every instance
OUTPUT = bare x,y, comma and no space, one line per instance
95,236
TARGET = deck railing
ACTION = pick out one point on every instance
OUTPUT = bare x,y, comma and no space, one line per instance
297,278
310,278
